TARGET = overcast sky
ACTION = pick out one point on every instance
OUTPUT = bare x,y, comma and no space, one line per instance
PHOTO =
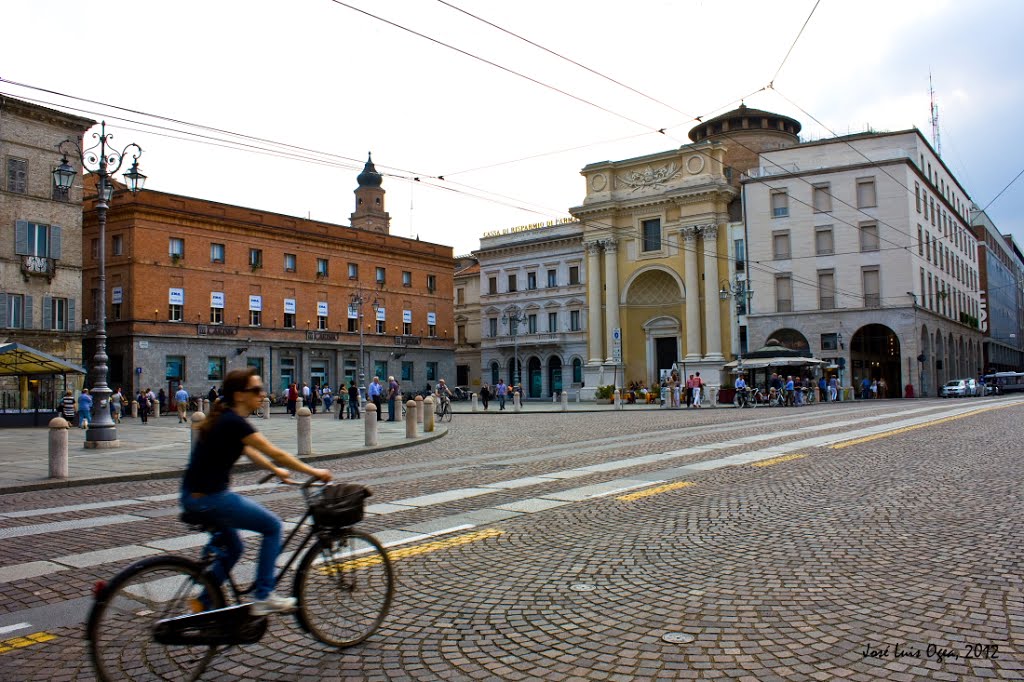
335,83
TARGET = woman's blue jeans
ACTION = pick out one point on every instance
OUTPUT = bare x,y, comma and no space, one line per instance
232,511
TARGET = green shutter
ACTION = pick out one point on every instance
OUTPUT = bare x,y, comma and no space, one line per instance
71,314
4,321
27,324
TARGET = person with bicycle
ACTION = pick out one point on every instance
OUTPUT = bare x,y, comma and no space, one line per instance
742,394
224,436
444,395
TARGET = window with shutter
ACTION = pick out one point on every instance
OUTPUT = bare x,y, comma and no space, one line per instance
4,318
55,241
28,313
47,312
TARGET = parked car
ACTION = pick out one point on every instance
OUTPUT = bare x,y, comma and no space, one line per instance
957,388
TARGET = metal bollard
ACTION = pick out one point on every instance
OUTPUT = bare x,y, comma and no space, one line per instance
428,415
370,424
565,401
266,408
305,429
475,406
197,419
419,409
58,444
135,409
410,419
516,403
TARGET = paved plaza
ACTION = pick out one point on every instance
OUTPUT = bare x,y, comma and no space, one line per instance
875,540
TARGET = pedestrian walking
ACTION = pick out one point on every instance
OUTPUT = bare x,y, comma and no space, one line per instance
393,395
375,393
293,398
67,407
314,398
698,388
84,409
502,392
340,399
485,395
327,398
143,400
353,401
116,405
161,400
181,402
212,396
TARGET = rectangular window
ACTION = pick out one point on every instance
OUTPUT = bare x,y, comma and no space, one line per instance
574,320
407,328
381,275
321,267
432,330
215,368
866,193
117,245
824,244
869,237
822,198
431,371
176,247
406,278
431,283
216,253
783,294
257,364
492,327
552,322
289,320
460,296
531,280
739,247
780,245
216,316
830,341
289,262
492,285
353,271
380,369
651,234
174,312
531,324
917,196
931,201
552,279
321,322
460,334
17,175
255,318
382,327
920,241
406,370
255,258
780,204
115,310
872,296
574,274
826,290
14,318
512,283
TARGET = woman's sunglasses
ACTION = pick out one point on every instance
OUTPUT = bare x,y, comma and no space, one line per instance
253,389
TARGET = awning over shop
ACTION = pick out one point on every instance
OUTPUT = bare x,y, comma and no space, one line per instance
19,360
759,363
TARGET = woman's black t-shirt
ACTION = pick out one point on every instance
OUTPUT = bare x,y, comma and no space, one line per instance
209,467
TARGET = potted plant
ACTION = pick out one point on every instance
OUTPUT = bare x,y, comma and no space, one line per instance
603,394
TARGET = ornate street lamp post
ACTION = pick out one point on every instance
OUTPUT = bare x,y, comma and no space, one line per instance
737,290
358,299
104,163
512,317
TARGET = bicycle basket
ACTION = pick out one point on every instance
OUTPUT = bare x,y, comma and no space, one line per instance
339,504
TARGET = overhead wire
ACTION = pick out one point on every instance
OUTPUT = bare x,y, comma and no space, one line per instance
790,50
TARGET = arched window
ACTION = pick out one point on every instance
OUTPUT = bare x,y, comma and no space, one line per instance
577,371
495,372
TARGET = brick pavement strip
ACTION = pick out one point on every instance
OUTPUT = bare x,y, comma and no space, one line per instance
813,568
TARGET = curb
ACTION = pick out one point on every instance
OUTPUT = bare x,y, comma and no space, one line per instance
52,484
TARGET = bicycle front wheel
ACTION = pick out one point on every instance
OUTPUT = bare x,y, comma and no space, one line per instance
121,622
344,587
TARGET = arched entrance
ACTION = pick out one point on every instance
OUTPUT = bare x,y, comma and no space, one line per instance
555,374
655,294
875,354
535,377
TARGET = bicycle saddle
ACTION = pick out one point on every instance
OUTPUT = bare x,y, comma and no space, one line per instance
198,521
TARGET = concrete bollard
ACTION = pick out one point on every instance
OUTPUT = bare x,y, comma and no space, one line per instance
204,407
58,445
135,409
565,401
197,419
475,406
554,397
410,418
305,431
428,415
516,403
617,400
419,409
266,408
154,409
370,424
578,397
712,397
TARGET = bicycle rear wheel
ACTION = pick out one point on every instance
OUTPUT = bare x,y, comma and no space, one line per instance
120,625
344,587
446,416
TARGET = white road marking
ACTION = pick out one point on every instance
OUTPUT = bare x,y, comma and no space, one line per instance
12,628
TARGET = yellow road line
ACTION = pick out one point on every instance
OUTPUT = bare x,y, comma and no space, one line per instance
406,552
654,491
777,460
886,434
22,642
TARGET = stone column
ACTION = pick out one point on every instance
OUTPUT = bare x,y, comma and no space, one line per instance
611,283
712,304
595,331
689,235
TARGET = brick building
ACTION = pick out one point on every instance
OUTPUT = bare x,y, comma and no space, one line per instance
40,245
196,288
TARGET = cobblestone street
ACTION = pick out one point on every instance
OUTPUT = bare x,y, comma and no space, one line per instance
876,540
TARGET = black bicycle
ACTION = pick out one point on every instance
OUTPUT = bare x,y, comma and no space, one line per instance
164,618
443,410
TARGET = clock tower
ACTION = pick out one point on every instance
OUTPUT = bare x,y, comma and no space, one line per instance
370,214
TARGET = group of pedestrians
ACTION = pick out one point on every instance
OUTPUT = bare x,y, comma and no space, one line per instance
499,392
674,390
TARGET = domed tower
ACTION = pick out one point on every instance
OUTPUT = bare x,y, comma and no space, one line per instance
747,132
370,214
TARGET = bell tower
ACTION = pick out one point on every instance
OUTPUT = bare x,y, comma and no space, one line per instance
370,214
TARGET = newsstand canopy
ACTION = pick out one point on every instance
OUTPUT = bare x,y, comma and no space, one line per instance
20,360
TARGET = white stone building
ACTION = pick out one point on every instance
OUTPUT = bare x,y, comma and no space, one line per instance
534,274
859,249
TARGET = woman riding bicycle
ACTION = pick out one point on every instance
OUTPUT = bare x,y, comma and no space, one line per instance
224,436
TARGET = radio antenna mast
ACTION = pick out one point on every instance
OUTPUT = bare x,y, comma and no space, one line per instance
936,140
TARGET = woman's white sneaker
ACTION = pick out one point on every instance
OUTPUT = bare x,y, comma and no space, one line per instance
274,603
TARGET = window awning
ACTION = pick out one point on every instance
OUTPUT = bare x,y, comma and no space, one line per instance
20,360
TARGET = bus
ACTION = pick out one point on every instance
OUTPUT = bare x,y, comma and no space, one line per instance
1004,382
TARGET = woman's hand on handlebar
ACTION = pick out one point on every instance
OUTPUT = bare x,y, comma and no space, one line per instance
321,474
